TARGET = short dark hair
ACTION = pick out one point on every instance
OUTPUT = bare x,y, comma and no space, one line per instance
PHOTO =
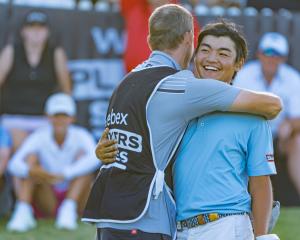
225,28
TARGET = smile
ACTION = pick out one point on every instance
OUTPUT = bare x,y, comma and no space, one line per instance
210,68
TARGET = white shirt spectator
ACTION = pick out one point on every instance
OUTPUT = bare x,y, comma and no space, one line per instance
286,84
75,157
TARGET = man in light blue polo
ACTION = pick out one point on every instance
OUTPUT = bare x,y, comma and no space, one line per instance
221,153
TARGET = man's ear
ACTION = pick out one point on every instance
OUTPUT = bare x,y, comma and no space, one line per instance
239,65
188,37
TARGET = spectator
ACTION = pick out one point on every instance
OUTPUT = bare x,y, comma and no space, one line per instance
5,188
271,73
55,163
30,70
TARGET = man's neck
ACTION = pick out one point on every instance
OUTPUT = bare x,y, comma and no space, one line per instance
60,138
177,56
269,78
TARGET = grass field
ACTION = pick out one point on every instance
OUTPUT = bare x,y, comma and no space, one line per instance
288,228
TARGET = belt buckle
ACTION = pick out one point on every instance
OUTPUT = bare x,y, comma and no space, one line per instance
213,217
201,219
178,226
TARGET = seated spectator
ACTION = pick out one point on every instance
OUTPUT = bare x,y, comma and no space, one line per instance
271,73
5,186
31,69
55,163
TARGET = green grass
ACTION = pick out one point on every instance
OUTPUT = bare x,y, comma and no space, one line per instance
288,225
47,231
287,228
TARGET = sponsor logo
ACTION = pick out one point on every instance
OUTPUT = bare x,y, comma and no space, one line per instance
118,118
126,140
270,157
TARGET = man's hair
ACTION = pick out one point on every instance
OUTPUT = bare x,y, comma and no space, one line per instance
224,28
167,26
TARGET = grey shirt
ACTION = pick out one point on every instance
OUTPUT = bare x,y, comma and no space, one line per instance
178,99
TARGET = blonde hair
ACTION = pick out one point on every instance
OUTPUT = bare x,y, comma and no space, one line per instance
167,26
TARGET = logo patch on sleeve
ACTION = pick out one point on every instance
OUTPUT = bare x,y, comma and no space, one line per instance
270,157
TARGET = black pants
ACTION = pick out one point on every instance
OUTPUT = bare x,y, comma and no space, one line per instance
116,234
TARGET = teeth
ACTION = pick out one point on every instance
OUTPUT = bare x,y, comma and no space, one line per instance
210,68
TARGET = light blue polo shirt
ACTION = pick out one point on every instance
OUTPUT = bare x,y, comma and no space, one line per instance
218,153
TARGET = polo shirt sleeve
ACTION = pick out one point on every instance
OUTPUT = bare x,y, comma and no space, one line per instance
207,95
260,153
17,166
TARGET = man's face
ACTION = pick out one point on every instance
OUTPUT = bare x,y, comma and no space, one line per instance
35,33
60,122
270,64
215,58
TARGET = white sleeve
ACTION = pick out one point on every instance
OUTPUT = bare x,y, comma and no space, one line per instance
293,108
17,165
86,163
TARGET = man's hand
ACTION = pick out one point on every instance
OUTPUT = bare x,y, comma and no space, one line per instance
40,175
106,150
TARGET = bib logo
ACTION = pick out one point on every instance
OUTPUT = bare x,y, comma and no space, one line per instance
116,118
127,141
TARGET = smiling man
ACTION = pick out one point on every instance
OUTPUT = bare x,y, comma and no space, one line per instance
221,153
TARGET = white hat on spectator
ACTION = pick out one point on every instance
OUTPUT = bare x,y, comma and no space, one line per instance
274,44
60,103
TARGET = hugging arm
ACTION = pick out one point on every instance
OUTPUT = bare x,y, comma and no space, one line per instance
260,103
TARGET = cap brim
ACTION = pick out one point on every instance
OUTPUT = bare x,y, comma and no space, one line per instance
272,53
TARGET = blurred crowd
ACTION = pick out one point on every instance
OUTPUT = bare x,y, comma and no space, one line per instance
47,163
115,4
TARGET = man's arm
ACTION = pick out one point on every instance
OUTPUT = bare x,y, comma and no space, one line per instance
61,68
262,199
207,95
260,103
4,157
6,62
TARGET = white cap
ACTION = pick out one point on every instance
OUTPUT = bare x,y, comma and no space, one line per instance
60,103
274,44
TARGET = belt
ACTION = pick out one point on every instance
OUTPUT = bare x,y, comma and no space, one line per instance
202,219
